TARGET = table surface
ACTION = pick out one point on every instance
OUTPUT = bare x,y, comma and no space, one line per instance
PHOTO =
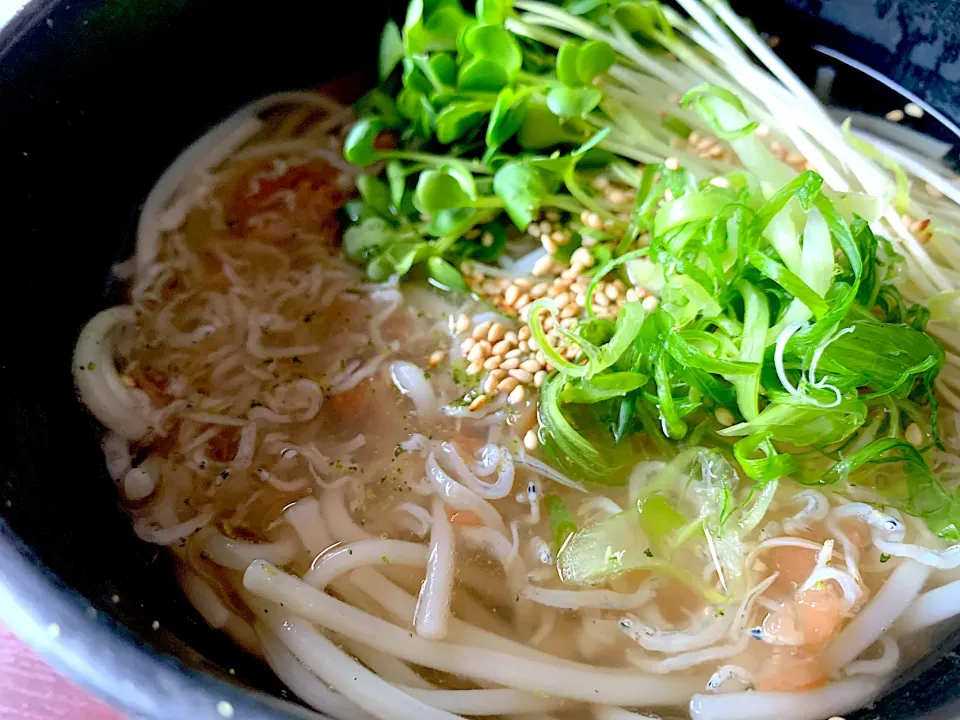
31,690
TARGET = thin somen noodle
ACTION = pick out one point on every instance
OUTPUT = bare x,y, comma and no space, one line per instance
447,407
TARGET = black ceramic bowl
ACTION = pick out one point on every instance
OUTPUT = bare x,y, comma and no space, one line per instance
96,98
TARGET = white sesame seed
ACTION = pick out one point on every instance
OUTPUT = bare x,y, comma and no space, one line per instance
502,347
914,435
496,333
480,351
582,256
225,709
570,310
531,366
530,440
492,362
507,385
517,395
895,115
913,110
481,330
617,196
543,266
724,417
521,375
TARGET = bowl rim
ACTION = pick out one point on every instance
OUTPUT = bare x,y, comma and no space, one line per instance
91,648
94,650
86,644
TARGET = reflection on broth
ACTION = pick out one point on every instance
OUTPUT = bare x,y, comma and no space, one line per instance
546,481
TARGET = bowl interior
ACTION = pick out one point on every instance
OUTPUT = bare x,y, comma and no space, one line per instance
99,97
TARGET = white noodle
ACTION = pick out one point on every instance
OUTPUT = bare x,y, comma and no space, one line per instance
121,409
410,381
387,667
204,599
375,551
602,599
306,518
883,665
116,451
816,704
238,554
335,514
930,608
570,680
432,614
497,701
893,597
418,518
346,675
304,684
